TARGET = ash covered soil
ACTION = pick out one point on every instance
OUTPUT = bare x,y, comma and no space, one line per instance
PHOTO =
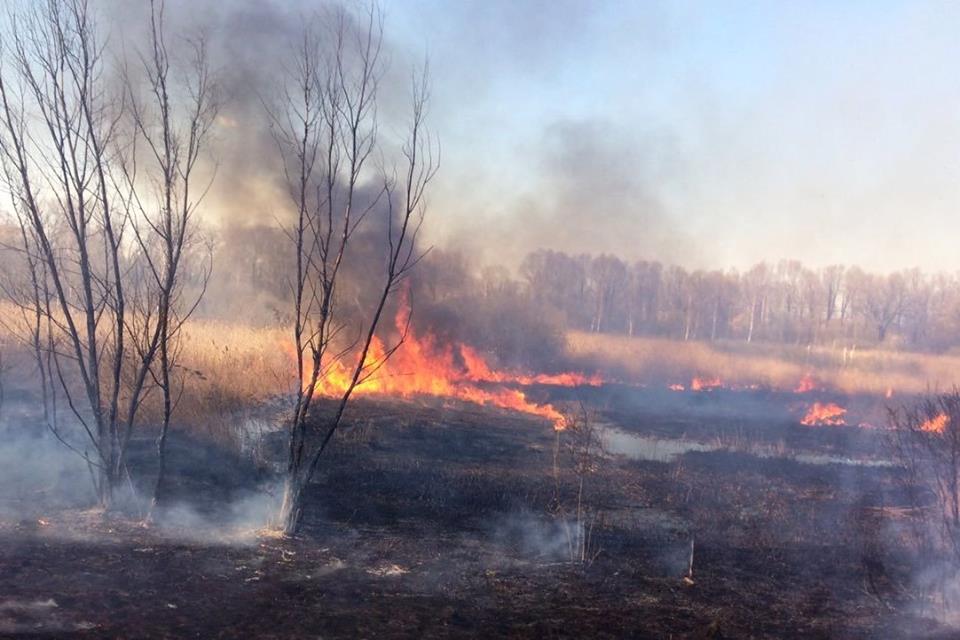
431,521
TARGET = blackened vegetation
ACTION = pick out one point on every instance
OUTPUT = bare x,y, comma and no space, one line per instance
439,520
926,442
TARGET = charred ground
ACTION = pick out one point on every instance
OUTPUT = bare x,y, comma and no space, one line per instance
431,521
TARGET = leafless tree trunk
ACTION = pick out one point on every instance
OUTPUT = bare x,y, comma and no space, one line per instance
326,130
57,173
75,193
925,440
164,223
28,292
583,442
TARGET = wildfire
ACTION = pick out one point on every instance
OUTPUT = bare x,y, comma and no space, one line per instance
424,366
477,370
807,384
705,384
824,413
936,424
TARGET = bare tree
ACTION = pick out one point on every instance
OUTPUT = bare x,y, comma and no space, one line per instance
96,327
25,287
608,276
832,279
163,224
582,442
926,445
884,302
57,171
327,132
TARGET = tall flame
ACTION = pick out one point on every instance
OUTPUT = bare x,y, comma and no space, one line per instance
424,366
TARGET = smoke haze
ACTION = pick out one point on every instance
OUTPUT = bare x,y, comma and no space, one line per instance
818,132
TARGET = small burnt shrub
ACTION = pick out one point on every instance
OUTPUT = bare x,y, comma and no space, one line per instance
925,442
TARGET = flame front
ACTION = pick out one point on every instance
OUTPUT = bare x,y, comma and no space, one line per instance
423,366
705,384
936,424
824,413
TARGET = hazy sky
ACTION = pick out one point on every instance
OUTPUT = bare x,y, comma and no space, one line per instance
706,133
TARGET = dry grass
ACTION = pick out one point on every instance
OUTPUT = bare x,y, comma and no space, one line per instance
230,367
225,367
652,360
250,361
244,360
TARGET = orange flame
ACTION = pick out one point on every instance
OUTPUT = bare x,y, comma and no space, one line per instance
677,387
807,384
936,424
478,370
422,366
705,384
826,413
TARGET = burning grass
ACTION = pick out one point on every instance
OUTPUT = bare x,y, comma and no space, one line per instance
800,369
424,365
824,413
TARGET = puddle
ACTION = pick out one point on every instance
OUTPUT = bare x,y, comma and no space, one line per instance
658,449
650,448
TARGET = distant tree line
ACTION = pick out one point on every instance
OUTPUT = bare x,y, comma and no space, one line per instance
515,312
786,302
520,315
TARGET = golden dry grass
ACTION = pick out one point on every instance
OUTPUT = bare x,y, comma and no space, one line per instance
654,360
225,368
231,357
228,367
250,361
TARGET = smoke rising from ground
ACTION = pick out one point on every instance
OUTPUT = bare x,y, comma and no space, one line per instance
822,133
37,473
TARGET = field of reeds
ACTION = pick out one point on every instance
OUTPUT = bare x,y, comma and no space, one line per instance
226,367
873,371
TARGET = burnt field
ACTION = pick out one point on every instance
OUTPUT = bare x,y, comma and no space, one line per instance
435,520
418,319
